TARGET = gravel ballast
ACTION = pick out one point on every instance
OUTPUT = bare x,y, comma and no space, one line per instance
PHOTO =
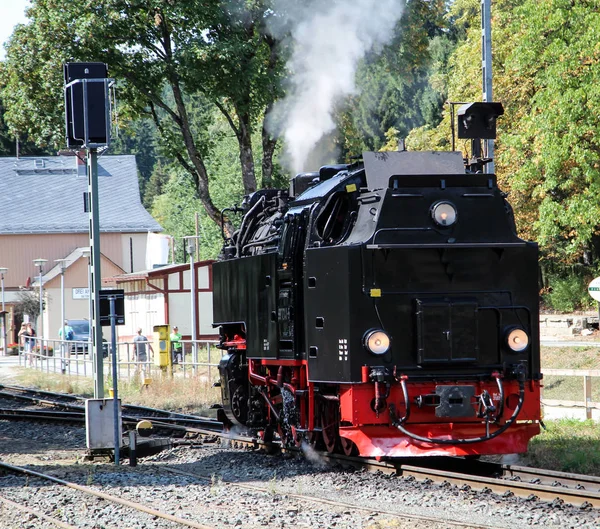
385,501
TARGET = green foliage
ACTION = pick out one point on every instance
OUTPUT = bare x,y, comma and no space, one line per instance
166,56
139,138
28,303
396,88
567,294
547,75
156,184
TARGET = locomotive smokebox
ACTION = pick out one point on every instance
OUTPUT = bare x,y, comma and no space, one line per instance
478,120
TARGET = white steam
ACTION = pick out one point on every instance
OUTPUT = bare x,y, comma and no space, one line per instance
329,39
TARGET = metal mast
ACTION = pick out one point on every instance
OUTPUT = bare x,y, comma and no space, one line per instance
486,70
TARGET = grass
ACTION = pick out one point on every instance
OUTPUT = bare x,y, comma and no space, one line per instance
569,388
570,357
187,395
567,445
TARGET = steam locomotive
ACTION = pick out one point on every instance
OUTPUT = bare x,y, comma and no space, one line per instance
384,308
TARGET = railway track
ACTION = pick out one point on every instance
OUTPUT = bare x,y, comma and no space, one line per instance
72,408
98,494
505,480
344,505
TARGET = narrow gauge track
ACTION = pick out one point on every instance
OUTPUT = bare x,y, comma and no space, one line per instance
130,413
108,497
506,480
174,424
322,501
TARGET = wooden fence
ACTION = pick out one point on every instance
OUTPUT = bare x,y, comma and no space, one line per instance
587,403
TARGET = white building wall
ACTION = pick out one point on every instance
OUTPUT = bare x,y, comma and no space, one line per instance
173,282
203,277
143,310
205,313
180,308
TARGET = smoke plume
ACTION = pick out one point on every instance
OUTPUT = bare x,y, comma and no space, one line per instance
329,37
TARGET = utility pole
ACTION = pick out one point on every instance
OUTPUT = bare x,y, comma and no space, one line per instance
486,71
95,283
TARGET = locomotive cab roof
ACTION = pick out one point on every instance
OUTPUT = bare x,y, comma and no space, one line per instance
380,167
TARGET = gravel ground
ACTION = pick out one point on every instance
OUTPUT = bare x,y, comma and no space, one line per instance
388,500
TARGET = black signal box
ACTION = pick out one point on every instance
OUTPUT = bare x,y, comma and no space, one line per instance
86,108
478,120
105,296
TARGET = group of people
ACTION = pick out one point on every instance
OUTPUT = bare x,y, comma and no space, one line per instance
142,345
140,350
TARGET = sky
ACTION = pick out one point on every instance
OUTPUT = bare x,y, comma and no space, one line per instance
13,12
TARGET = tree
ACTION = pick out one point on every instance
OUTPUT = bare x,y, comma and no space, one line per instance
547,74
139,138
166,56
395,88
28,303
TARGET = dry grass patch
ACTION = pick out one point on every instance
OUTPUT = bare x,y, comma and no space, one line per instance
32,378
184,395
582,357
558,387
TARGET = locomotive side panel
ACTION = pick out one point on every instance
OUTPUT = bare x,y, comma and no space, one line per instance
245,292
329,276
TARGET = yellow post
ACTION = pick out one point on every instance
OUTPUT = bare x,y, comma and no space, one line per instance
162,348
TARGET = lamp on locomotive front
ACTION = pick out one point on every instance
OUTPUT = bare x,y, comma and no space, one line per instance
444,214
377,342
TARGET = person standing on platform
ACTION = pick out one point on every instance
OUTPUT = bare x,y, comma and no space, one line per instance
176,346
140,354
30,343
69,334
24,341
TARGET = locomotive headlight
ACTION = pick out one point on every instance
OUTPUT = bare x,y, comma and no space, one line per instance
377,342
444,214
517,340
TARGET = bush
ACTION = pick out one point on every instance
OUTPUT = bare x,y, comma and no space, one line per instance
568,294
12,349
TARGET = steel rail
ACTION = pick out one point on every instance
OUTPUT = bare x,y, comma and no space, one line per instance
545,484
505,484
108,497
76,403
551,477
9,413
79,417
576,497
38,514
333,503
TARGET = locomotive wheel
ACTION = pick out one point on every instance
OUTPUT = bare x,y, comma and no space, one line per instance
329,427
315,440
239,404
348,447
289,437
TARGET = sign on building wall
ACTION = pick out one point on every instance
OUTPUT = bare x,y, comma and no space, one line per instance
81,293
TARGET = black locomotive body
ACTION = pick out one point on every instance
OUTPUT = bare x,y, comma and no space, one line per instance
384,308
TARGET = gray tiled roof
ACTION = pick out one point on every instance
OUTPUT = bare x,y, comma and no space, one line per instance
45,195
